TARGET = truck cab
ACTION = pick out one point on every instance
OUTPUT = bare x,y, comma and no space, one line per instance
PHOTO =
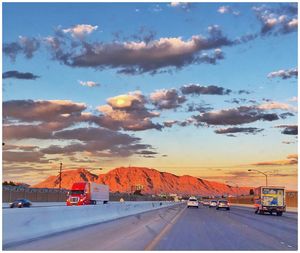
79,194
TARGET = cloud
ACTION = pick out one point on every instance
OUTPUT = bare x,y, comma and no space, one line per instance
273,105
80,31
146,152
192,107
127,112
246,130
292,156
293,99
143,54
19,75
170,123
11,156
25,45
197,89
291,160
284,74
52,119
288,142
240,101
289,129
281,20
40,131
181,5
100,135
88,83
235,116
11,147
147,56
227,9
41,110
44,116
286,115
167,99
244,92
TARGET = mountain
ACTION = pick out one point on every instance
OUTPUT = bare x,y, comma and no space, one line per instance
153,182
68,178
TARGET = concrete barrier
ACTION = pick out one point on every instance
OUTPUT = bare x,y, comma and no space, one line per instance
21,224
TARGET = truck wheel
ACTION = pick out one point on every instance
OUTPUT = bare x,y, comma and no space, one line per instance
279,213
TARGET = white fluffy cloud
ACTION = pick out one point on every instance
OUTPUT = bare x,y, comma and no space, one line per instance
277,105
227,9
167,99
88,83
284,73
80,31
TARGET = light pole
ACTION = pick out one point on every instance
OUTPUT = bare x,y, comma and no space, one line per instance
60,168
261,173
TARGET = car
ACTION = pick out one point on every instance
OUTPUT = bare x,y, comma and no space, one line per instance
20,203
205,203
192,202
212,203
223,204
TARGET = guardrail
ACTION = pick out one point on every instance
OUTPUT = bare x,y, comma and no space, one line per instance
29,223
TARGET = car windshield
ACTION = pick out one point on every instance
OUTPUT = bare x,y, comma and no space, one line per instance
76,192
223,201
213,201
192,199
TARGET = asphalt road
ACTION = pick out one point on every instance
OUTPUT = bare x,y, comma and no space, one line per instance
179,228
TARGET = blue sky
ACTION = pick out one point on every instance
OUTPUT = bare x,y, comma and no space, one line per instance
139,57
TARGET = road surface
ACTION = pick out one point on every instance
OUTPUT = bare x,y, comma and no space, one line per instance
179,228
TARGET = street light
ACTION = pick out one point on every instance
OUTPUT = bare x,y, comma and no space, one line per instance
60,168
261,173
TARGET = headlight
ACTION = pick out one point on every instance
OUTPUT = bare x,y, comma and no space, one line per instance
20,203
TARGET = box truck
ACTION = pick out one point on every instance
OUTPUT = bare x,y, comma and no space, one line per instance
87,193
269,199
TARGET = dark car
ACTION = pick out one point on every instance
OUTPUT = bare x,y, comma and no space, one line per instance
20,203
223,204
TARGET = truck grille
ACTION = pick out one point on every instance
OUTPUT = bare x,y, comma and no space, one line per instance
74,199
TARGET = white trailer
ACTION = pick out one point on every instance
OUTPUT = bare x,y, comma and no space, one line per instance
99,192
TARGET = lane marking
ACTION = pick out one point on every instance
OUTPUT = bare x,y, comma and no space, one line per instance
164,231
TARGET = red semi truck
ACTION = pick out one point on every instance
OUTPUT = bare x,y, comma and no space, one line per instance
87,193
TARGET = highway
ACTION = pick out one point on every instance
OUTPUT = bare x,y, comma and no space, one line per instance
179,228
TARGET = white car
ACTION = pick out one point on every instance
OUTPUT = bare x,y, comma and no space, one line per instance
213,203
192,202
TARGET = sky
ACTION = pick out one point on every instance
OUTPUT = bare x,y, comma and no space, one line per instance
201,89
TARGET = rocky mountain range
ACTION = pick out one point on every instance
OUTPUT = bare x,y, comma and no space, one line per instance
127,179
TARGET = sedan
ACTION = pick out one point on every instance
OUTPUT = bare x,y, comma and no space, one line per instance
192,202
223,204
20,203
213,203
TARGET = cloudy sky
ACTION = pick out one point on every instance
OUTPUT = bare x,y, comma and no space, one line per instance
208,90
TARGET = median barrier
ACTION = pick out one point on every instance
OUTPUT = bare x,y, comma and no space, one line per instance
22,224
